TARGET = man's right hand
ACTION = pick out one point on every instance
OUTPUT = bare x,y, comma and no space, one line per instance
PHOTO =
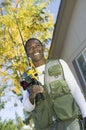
36,89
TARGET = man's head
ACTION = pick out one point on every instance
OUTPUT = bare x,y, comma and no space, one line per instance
35,50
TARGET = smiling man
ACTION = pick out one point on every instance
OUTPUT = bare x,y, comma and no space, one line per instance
35,51
63,106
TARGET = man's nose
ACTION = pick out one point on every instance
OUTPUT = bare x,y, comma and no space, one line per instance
34,48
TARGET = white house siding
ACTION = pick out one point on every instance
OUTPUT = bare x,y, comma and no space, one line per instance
76,36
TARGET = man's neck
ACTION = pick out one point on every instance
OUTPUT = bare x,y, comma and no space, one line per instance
39,63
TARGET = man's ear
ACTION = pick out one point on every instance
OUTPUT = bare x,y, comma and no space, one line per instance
43,46
27,54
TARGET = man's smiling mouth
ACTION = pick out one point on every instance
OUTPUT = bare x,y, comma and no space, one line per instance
35,54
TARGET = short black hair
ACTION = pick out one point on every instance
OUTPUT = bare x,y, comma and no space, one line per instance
31,39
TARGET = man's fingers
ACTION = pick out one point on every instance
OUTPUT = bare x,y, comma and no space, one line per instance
38,89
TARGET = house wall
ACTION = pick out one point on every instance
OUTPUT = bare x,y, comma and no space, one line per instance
75,40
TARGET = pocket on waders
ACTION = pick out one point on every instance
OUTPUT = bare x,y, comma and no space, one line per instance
64,104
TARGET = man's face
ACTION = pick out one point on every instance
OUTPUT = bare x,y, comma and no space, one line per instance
35,50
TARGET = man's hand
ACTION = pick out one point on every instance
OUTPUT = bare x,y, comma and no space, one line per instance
36,89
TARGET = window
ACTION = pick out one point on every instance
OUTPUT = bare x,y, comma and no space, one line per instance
80,67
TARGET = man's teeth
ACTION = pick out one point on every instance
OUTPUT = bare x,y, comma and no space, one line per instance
36,54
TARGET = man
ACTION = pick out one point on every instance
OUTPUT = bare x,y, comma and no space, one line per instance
63,102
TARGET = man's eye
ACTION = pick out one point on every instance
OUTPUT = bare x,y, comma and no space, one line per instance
38,45
30,48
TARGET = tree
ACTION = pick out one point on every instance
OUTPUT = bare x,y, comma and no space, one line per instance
10,125
18,22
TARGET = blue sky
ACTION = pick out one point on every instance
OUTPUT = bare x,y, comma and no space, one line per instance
54,7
